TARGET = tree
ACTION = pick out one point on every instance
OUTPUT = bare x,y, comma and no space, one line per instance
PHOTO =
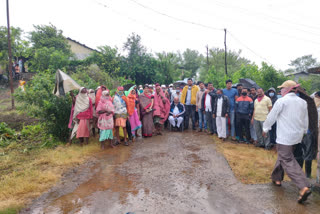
216,59
106,58
191,62
304,63
50,49
50,37
270,77
168,63
138,65
20,48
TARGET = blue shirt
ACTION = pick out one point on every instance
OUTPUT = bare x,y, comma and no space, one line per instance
231,93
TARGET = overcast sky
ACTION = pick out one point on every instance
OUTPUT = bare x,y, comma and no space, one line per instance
275,31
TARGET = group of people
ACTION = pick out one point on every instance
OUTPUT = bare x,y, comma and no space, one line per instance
247,115
235,112
121,115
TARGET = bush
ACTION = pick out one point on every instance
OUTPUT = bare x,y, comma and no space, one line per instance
39,101
6,134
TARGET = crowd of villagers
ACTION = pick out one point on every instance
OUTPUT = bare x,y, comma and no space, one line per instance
118,117
237,112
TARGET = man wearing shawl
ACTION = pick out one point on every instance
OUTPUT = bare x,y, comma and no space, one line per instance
133,109
105,111
161,109
93,122
121,114
291,114
81,116
146,105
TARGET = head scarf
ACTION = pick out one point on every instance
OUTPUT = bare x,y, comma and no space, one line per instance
161,109
92,96
120,92
105,97
82,103
131,102
98,95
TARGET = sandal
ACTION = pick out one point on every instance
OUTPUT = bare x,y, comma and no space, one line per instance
116,143
304,197
126,143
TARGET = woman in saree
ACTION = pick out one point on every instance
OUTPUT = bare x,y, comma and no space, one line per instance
146,104
133,109
81,116
93,122
161,109
105,111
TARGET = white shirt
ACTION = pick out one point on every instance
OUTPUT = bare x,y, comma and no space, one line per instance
175,110
219,107
208,103
291,114
188,100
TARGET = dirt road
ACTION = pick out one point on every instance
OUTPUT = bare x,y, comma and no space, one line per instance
173,173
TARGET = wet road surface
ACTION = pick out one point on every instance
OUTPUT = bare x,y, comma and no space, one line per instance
173,173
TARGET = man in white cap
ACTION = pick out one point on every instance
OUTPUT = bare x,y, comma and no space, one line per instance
291,114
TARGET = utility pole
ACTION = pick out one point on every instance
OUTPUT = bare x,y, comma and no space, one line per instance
10,56
207,57
225,51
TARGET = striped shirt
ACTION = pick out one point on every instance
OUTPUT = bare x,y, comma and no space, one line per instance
291,114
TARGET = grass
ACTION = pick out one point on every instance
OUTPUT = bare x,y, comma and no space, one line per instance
25,176
251,165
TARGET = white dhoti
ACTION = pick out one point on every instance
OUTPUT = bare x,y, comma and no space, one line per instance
221,127
173,120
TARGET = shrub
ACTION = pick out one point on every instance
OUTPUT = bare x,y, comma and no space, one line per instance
6,134
39,101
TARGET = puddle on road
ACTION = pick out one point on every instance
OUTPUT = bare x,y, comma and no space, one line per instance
105,178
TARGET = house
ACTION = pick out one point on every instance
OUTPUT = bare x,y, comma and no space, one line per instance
81,51
305,74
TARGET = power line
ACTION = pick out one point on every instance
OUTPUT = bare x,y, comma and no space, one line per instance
175,18
244,45
132,19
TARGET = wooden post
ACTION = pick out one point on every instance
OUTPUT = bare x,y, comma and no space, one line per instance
207,57
10,56
225,51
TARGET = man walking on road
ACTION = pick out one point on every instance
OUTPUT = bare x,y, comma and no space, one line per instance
188,98
291,114
262,106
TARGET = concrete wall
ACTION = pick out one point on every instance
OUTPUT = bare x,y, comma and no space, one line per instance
80,51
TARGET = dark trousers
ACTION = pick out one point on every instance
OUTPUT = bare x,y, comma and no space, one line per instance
128,127
273,134
190,112
243,122
287,163
298,155
211,122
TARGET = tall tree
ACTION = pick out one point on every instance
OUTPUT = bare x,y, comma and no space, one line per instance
106,58
216,59
50,37
20,48
50,49
304,63
168,63
139,65
191,62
